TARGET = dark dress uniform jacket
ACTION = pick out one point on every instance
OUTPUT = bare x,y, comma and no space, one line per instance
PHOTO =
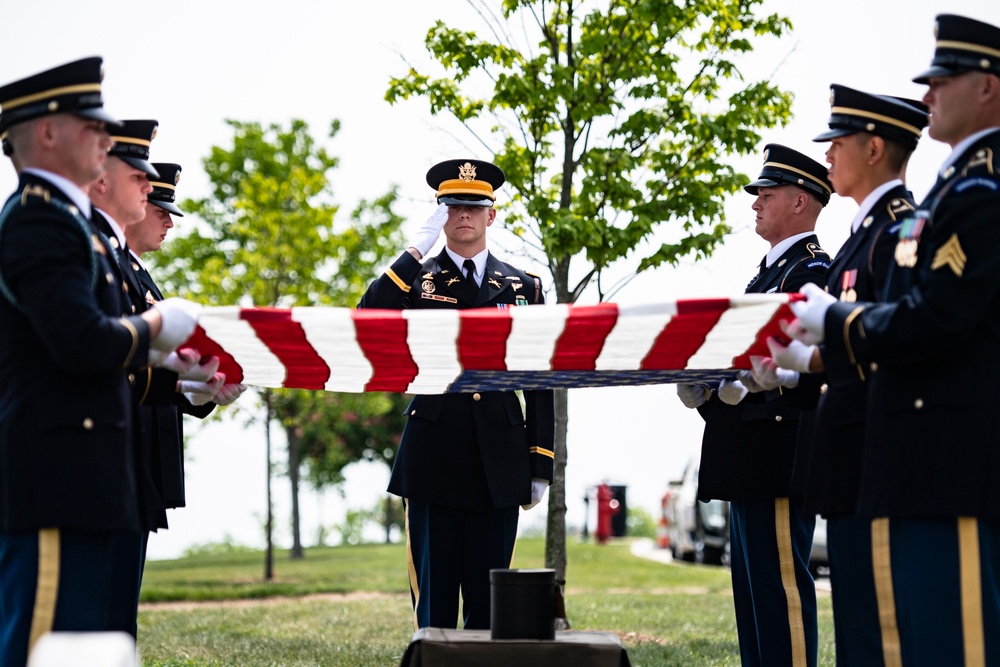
149,386
933,445
63,343
162,425
832,452
467,450
748,449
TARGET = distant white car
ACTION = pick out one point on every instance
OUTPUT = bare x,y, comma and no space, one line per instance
698,531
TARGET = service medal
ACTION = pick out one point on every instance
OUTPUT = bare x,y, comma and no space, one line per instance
909,235
847,281
521,301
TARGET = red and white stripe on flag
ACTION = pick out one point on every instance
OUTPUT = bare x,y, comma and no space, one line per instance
437,351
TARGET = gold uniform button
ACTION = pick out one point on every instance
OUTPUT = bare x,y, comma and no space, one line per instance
476,396
919,403
88,424
777,418
873,366
110,278
413,412
131,377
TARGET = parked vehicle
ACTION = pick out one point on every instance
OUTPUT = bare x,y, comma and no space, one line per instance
698,531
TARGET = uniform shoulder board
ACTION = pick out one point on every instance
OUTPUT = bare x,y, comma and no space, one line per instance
980,163
533,275
898,207
814,250
34,192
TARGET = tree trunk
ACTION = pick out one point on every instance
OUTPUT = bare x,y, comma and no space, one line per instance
388,518
293,476
555,529
268,528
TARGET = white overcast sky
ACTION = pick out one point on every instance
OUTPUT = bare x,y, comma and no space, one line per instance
191,65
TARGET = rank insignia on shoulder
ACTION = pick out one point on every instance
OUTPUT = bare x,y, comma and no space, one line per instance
428,286
867,222
96,244
34,191
950,255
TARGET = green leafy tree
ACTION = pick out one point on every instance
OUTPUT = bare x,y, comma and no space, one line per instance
269,239
614,121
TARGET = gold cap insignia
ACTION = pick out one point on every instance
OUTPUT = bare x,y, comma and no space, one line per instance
467,172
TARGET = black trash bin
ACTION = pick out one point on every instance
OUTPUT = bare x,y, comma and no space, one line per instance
522,604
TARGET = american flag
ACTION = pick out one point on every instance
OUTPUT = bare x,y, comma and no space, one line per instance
539,347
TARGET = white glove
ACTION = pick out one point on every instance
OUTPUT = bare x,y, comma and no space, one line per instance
538,486
811,313
796,356
428,235
693,395
747,379
768,375
180,361
229,393
731,392
203,370
200,393
180,317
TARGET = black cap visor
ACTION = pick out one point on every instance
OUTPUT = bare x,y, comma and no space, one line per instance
458,201
138,163
761,183
834,133
168,206
938,71
98,113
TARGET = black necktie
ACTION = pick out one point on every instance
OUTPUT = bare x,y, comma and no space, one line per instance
470,272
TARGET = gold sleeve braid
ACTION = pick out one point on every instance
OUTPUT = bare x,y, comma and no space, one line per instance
135,342
396,279
848,321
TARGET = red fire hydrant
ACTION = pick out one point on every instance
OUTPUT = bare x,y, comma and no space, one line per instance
607,507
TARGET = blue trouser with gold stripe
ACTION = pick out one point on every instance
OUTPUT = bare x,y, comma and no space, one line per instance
946,581
452,549
53,580
773,591
864,618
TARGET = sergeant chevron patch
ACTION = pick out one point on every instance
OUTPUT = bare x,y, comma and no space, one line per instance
950,255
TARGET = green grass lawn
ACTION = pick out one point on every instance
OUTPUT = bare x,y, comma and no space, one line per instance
350,606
